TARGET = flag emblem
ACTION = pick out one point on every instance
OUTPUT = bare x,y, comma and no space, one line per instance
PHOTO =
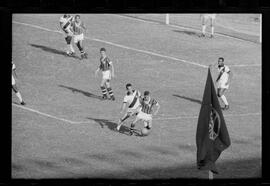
214,124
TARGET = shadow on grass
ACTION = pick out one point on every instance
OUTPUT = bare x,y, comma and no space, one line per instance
112,126
189,99
88,94
191,33
52,50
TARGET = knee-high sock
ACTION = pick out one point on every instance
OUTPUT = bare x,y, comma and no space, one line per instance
223,98
103,90
110,91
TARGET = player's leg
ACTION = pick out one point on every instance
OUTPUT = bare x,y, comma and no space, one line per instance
212,26
83,53
103,88
109,89
132,126
222,97
18,94
70,50
203,25
126,116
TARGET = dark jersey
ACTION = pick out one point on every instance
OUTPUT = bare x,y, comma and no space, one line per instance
148,107
105,64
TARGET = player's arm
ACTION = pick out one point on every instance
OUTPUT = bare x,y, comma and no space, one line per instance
157,108
83,26
123,107
97,71
112,68
230,75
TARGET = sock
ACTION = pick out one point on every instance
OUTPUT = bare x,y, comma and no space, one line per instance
224,100
71,48
110,91
103,90
203,29
212,30
80,47
19,96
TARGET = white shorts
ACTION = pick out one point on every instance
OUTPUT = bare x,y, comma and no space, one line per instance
143,116
222,84
209,16
78,38
13,80
106,75
133,111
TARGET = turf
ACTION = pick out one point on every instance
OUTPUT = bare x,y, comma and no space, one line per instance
64,87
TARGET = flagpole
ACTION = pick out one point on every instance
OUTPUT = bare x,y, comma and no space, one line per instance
210,174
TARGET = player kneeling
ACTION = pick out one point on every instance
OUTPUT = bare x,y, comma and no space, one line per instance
145,113
133,100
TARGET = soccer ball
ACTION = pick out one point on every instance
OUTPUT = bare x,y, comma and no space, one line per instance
145,132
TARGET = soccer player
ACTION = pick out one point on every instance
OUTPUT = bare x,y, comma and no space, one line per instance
65,24
132,100
14,87
79,28
106,66
145,113
205,18
223,80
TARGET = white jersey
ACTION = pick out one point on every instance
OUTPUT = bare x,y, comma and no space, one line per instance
66,23
223,76
133,99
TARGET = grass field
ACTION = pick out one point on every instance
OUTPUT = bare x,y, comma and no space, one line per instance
66,131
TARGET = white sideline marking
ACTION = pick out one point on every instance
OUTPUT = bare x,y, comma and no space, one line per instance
178,26
44,114
85,122
130,48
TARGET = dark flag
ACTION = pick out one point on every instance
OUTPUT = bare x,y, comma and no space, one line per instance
212,136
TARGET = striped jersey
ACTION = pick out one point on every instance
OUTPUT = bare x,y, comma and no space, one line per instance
78,28
105,64
133,99
66,23
147,106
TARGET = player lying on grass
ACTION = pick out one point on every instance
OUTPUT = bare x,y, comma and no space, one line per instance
205,19
14,87
222,81
132,100
145,113
106,66
79,28
66,26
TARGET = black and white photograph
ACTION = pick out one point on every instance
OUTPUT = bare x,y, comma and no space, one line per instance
136,96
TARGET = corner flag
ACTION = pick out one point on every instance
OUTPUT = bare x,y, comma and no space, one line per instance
212,136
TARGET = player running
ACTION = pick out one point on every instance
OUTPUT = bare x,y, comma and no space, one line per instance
132,100
66,25
14,87
79,28
145,113
205,18
106,66
223,80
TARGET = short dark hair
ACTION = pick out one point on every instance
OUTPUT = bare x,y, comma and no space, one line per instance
128,85
103,49
221,59
146,93
77,16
